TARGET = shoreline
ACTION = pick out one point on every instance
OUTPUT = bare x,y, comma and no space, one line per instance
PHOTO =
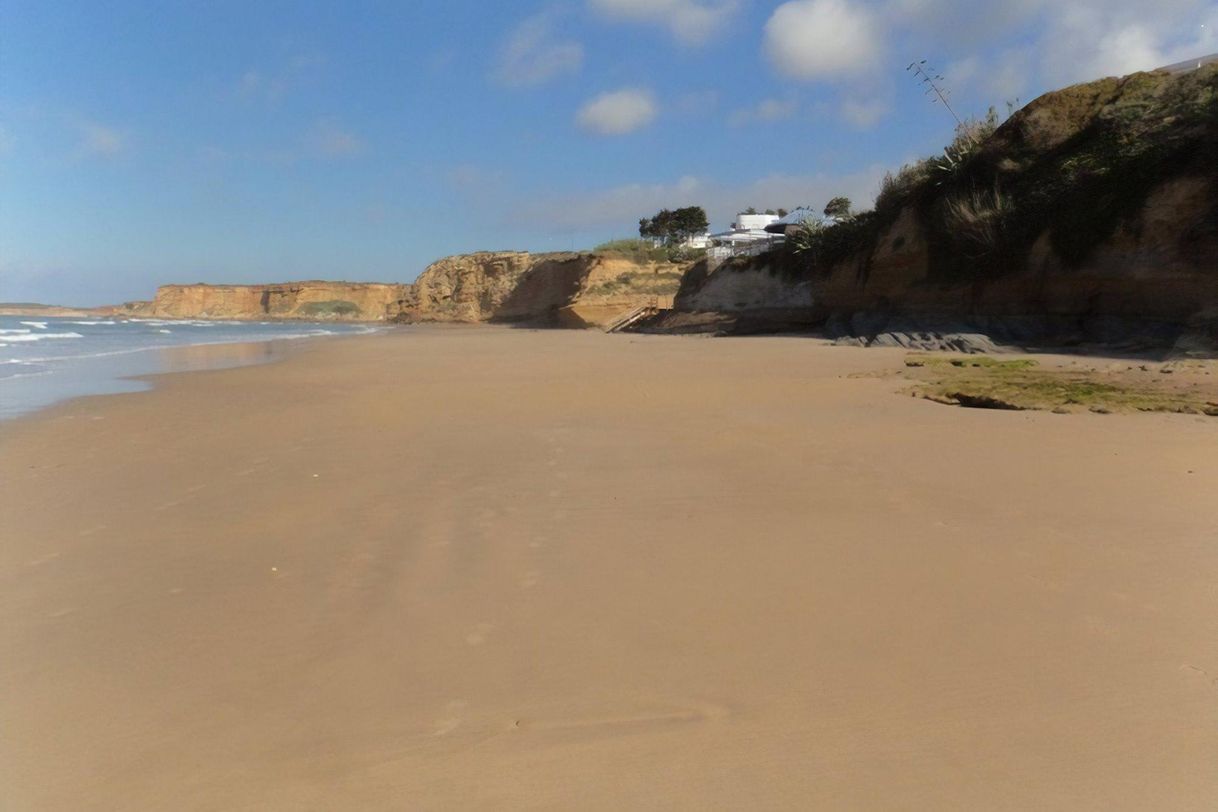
133,370
473,567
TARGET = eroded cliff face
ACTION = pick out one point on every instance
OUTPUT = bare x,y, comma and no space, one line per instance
570,289
1090,217
566,289
316,301
1159,266
746,286
486,286
1153,282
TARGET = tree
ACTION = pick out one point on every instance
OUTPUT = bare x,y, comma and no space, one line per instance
838,208
688,222
749,210
675,226
783,212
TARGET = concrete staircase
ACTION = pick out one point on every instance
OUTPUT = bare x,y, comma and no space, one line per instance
634,316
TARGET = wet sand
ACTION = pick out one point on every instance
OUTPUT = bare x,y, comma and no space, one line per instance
484,568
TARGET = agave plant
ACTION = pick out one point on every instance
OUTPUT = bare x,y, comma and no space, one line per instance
808,237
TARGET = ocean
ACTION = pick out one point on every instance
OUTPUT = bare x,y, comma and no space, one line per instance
46,360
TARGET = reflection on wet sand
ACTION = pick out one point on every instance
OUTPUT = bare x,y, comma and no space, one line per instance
216,356
78,377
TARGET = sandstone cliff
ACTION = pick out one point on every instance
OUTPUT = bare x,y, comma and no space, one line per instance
565,289
53,311
315,301
1092,215
568,289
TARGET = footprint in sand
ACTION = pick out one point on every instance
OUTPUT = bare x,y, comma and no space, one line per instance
530,579
478,635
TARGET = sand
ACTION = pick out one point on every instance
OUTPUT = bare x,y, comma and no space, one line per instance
491,568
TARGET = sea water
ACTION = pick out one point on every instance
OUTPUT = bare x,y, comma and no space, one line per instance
46,360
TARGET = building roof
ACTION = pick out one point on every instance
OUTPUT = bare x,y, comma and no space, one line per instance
741,236
793,221
798,216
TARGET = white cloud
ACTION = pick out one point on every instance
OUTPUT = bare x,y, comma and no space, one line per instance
964,23
765,111
1128,49
1090,39
531,55
621,207
1004,50
100,141
1006,77
618,113
818,40
691,22
989,52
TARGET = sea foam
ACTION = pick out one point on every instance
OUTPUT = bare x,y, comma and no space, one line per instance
39,336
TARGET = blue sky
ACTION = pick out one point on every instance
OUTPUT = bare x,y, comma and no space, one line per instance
152,142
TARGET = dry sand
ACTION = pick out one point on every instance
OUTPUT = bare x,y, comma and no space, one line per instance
482,568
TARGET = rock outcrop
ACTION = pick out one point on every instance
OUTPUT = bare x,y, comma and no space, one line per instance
562,289
52,311
314,301
1091,216
568,289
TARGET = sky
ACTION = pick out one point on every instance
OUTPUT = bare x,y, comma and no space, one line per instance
143,143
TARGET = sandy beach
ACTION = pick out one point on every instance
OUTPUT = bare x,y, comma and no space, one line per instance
482,568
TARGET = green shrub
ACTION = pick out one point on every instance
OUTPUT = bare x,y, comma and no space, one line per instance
637,250
899,189
826,244
664,283
978,220
959,155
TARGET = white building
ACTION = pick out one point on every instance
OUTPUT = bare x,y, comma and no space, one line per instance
753,222
692,243
748,235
